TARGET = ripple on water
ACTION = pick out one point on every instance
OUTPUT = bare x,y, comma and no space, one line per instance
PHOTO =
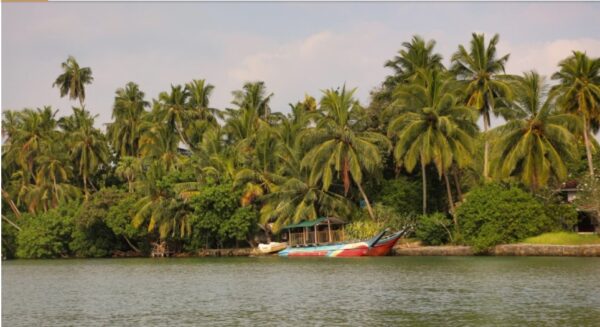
459,291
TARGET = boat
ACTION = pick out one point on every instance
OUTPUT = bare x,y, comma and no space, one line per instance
271,247
374,247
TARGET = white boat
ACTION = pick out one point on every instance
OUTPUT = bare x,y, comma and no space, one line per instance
271,247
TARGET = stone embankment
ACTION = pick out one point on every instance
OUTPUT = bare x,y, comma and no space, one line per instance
591,250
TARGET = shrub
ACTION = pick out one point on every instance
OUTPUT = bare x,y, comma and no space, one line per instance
118,219
91,236
563,216
494,214
219,218
9,240
363,227
402,194
47,235
434,229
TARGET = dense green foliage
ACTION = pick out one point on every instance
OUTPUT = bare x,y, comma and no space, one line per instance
49,234
495,213
174,170
92,237
434,229
218,217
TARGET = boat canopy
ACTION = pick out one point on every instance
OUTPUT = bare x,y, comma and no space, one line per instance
316,222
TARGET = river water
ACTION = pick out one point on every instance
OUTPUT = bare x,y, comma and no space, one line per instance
403,291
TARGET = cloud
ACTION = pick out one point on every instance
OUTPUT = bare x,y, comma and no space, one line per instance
321,60
545,56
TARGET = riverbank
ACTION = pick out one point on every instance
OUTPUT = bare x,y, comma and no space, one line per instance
589,250
415,249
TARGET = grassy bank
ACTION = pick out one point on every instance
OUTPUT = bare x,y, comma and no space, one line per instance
563,238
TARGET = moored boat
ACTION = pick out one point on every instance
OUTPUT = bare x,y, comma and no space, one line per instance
376,246
271,247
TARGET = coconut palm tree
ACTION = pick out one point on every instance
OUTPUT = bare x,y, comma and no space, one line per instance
128,113
417,54
295,196
160,207
338,145
481,71
579,90
34,132
201,115
535,145
253,97
129,168
88,147
73,80
433,127
173,110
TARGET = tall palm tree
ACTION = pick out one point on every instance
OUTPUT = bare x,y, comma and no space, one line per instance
88,146
253,97
160,207
34,133
128,113
159,143
54,168
579,90
202,116
433,128
535,145
295,197
339,146
174,111
481,69
417,54
129,168
73,79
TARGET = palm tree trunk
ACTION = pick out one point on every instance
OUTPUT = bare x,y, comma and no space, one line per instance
129,181
85,189
588,150
457,183
12,205
131,245
450,200
183,138
11,223
486,149
369,208
424,174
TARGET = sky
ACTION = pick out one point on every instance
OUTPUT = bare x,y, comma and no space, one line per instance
295,48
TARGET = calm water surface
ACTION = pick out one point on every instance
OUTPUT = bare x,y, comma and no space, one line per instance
413,291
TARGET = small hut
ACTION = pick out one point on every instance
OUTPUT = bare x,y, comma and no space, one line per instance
320,231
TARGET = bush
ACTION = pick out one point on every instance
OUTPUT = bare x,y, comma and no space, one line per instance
9,239
494,214
402,194
47,235
363,227
563,216
434,229
91,236
118,219
218,218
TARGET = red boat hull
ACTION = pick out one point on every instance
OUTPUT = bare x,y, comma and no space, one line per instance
373,248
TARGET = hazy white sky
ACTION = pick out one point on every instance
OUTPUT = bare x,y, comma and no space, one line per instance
295,48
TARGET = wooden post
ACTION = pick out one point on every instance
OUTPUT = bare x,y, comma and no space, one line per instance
290,237
316,238
304,234
329,229
343,235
